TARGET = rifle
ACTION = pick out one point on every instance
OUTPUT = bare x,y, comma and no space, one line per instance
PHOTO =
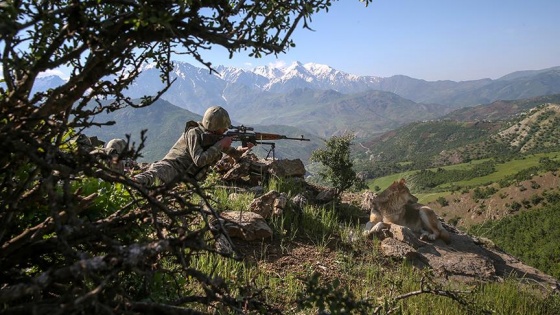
246,135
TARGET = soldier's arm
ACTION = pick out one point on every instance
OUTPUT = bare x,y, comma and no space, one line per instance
200,156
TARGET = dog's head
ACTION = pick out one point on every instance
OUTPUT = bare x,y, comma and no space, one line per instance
368,201
397,191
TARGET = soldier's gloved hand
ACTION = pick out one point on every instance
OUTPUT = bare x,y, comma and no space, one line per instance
247,148
225,143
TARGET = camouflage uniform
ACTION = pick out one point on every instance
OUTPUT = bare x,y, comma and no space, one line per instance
188,157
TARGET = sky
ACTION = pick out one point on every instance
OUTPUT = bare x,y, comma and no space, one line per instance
432,40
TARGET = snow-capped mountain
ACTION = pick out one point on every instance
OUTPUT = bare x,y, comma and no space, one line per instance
196,88
299,76
323,101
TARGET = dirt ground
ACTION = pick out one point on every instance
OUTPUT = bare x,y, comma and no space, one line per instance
466,211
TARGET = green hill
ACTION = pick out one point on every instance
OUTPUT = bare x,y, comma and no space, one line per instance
446,142
500,110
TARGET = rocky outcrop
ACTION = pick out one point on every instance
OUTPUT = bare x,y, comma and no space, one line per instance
245,225
465,258
250,170
270,204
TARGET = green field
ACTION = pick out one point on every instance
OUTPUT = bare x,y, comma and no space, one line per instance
502,170
506,169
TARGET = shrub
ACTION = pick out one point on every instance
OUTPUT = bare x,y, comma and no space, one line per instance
442,201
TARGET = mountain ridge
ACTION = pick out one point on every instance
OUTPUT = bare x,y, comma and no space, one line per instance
325,102
196,88
440,142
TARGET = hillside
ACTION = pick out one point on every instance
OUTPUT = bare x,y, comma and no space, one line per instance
500,110
328,113
445,142
534,131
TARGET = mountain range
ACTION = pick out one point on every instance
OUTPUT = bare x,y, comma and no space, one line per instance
321,101
303,94
235,88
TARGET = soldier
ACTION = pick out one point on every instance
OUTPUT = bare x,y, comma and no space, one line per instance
111,153
190,156
114,148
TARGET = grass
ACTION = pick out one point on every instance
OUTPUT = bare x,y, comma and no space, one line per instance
509,168
352,270
502,170
430,197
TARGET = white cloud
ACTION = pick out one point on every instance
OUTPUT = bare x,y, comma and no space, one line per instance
280,64
50,72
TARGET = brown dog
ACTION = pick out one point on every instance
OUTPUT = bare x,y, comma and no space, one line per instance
398,206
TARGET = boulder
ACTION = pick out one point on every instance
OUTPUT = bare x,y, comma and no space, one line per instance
245,225
464,259
249,169
270,204
326,195
287,168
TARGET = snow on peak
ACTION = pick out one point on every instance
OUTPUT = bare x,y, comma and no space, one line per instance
270,72
319,69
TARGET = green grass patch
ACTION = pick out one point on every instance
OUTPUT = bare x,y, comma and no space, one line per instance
430,197
506,169
502,170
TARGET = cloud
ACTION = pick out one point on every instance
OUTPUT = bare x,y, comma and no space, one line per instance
278,64
51,72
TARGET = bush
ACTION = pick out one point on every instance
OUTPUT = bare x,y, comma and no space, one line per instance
338,167
442,201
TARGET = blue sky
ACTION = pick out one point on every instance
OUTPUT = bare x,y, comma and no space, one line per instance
424,39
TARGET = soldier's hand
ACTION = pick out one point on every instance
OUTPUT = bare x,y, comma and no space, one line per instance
249,146
225,142
240,150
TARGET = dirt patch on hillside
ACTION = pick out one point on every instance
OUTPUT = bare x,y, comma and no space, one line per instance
464,210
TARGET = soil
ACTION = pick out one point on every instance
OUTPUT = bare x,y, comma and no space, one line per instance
464,210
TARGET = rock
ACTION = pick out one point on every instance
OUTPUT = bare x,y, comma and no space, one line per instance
245,225
270,204
299,201
287,168
326,195
279,204
249,169
464,265
223,245
465,259
405,235
392,248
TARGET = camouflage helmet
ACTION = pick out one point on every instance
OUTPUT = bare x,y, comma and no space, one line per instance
216,118
116,146
83,140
